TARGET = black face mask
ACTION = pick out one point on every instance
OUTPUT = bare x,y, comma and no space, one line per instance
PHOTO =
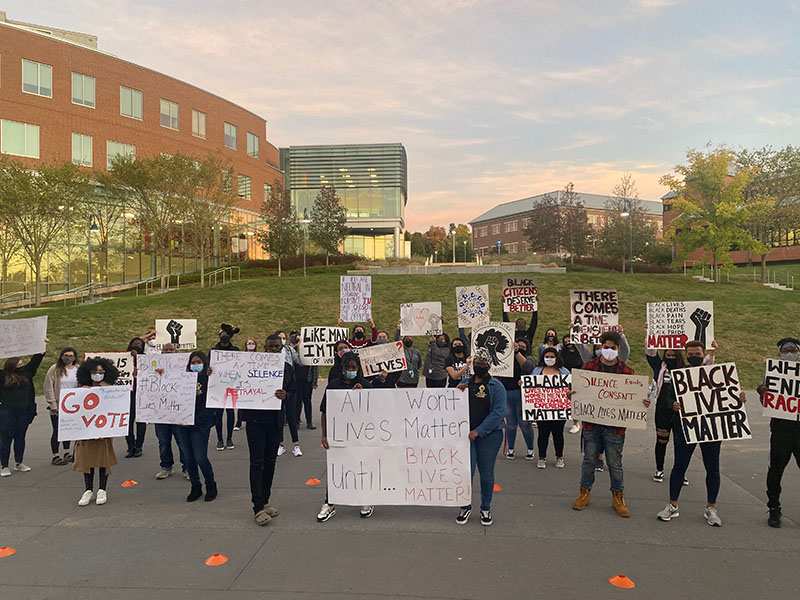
458,349
480,370
570,347
408,343
694,361
441,343
671,363
224,340
550,338
359,335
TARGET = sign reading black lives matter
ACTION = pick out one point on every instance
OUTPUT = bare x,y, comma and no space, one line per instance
318,344
546,397
671,324
711,405
592,313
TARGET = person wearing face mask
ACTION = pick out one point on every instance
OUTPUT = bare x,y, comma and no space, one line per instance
351,378
384,379
457,363
550,341
17,409
433,368
573,356
226,333
551,365
136,431
784,440
519,326
359,337
523,365
289,404
62,375
342,347
410,377
305,383
250,345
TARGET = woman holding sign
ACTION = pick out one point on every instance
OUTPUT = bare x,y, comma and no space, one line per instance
523,365
62,375
551,365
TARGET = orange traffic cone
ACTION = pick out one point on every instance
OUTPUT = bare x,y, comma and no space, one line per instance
216,560
6,551
497,488
313,481
621,581
129,483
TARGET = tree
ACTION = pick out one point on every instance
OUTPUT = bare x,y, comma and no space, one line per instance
328,226
419,244
463,234
576,231
282,237
545,229
37,206
9,246
435,238
622,237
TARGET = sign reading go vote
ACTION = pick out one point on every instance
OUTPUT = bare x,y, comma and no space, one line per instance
609,398
93,413
245,380
398,446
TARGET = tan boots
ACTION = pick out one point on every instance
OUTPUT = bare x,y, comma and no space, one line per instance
582,501
618,502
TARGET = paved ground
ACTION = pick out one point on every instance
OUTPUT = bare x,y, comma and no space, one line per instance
147,542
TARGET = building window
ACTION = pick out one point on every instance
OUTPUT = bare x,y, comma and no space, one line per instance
227,182
169,114
199,124
83,90
525,224
252,145
130,103
496,229
512,248
230,136
37,78
526,247
20,139
267,191
245,186
511,226
82,149
484,231
114,149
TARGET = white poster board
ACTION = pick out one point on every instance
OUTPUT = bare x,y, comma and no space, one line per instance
355,298
592,313
167,397
403,447
609,398
520,294
472,304
22,337
782,393
94,413
182,333
671,324
497,339
545,397
421,318
318,344
245,380
388,357
122,360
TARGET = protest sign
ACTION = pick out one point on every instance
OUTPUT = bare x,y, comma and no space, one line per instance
182,333
592,312
497,341
22,337
122,360
782,393
388,357
544,397
404,446
245,380
355,298
711,405
671,324
168,396
520,294
318,344
609,398
472,304
421,318
92,413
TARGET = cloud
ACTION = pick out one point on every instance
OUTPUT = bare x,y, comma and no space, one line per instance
779,119
582,140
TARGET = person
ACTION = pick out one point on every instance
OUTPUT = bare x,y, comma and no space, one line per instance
359,338
613,437
226,333
164,434
409,378
136,431
523,365
784,440
573,356
438,351
458,361
305,383
695,356
193,439
264,432
250,345
487,404
352,378
289,404
340,349
519,326
551,365
61,375
17,409
384,379
550,341
98,453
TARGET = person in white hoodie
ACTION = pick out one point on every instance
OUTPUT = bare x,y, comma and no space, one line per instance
62,375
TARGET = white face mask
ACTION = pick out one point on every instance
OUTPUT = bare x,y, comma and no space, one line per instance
251,346
151,343
98,377
549,360
609,353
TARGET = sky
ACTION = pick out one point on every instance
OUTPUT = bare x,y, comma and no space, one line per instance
494,101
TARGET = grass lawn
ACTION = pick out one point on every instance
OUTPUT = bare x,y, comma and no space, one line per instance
749,318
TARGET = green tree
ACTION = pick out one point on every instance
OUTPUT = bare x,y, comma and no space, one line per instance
419,245
463,234
576,232
328,226
435,238
622,237
545,228
282,237
9,246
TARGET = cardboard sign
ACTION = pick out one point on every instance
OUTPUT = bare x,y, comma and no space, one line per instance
782,394
388,357
355,299
421,318
711,408
182,333
167,397
472,305
497,340
406,446
122,360
22,337
592,313
609,398
520,294
94,413
245,380
671,324
318,344
544,397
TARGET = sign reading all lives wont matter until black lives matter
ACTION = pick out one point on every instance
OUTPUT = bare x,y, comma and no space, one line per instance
398,446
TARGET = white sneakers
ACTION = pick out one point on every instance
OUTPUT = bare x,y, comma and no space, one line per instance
669,512
22,467
86,498
296,451
326,512
5,472
541,464
575,428
164,473
102,497
281,450
712,516
559,463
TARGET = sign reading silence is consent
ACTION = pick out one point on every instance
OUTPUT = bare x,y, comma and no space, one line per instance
609,398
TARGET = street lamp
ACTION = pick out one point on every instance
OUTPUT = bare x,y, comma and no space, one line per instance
465,250
305,223
453,233
93,228
627,211
435,256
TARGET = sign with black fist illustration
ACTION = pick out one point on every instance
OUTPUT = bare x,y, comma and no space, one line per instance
182,333
670,325
496,340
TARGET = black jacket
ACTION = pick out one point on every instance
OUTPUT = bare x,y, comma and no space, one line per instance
269,416
23,394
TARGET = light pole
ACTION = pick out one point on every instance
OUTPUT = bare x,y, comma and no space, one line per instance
499,243
93,228
453,233
435,256
627,211
305,222
465,250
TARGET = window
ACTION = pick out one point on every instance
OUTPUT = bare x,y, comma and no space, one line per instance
20,139
245,186
267,191
495,229
199,124
252,145
512,248
511,226
130,103
169,114
37,78
83,90
227,182
82,149
114,149
525,223
230,136
484,231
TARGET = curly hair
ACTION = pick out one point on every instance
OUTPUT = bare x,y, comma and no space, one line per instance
84,374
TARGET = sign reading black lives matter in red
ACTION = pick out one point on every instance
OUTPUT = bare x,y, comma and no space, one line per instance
520,294
711,406
592,313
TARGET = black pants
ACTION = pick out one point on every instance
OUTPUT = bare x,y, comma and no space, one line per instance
263,439
54,437
14,423
435,383
304,391
781,449
546,429
406,385
136,431
218,425
289,415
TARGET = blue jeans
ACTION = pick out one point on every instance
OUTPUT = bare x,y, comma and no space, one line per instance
164,433
514,419
193,444
593,440
483,454
683,455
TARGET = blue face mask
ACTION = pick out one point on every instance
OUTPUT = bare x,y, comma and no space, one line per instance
350,374
196,368
597,352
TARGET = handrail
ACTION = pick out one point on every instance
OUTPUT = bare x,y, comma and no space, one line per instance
227,275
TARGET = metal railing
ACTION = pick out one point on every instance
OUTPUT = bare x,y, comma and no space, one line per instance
226,273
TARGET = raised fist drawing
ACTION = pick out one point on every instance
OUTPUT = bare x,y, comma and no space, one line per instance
174,330
701,320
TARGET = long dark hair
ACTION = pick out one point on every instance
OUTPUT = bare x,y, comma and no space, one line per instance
346,358
135,342
11,375
559,363
84,374
61,368
202,356
679,362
